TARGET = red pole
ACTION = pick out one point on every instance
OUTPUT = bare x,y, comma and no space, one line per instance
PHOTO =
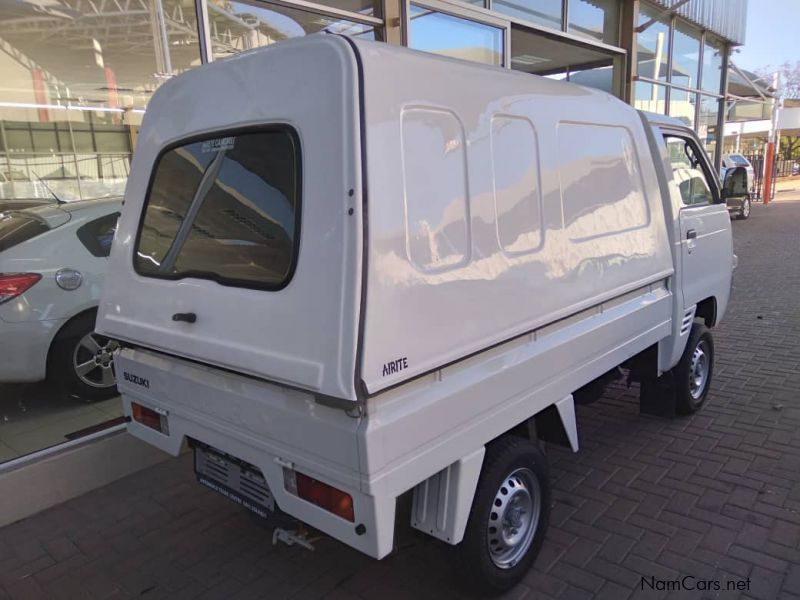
40,94
768,162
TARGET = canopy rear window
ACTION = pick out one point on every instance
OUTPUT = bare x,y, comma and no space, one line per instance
225,208
17,227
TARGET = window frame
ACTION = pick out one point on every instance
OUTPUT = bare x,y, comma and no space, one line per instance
233,282
689,137
467,12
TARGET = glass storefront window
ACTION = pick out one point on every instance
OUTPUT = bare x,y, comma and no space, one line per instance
457,37
238,26
712,65
707,125
650,97
75,79
371,8
653,46
72,88
596,19
685,55
600,77
543,12
682,105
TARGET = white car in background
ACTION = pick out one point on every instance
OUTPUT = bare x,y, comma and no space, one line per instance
741,205
53,260
730,161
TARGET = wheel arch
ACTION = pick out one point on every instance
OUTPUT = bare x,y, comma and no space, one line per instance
707,311
80,315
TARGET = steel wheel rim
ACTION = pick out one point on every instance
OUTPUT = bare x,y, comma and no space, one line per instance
93,361
514,518
698,370
746,208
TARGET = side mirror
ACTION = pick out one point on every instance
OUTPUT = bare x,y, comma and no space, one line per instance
735,183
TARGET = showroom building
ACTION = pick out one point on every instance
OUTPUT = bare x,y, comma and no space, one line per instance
76,77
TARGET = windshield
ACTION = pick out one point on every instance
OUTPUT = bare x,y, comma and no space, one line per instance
739,160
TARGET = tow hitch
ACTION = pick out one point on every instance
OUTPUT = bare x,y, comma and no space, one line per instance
297,536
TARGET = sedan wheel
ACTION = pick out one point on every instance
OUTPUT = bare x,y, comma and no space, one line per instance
82,362
93,361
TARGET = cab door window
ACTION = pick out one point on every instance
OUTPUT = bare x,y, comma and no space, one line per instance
689,171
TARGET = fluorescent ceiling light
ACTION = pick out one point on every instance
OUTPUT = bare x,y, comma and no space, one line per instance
529,59
67,107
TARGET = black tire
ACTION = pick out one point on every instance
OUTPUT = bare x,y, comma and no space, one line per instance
690,396
476,566
744,212
67,349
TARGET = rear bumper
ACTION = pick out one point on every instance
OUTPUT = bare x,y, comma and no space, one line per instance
255,421
376,515
24,348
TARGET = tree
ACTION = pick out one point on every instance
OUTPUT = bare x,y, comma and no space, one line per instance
790,78
789,90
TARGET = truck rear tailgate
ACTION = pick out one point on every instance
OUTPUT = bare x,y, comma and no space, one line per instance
244,416
239,243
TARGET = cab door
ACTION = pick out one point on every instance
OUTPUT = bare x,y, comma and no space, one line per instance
705,228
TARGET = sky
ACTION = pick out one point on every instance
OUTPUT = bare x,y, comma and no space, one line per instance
772,34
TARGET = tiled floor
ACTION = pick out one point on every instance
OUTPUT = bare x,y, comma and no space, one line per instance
36,416
712,497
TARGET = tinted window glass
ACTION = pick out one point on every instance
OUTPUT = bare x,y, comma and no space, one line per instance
16,228
226,209
739,160
97,235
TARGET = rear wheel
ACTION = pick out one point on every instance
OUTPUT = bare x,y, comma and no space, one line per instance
508,519
81,361
744,213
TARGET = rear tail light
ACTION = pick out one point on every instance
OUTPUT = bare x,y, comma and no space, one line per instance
321,494
150,418
14,284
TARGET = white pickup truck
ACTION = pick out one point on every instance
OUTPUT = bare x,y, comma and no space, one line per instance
350,274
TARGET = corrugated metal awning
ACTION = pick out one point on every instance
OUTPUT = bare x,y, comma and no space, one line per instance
726,18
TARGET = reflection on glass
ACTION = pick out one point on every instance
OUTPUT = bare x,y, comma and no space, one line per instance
363,7
445,34
600,77
597,19
707,126
681,106
712,65
73,86
237,26
543,12
653,46
687,172
650,97
685,55
243,230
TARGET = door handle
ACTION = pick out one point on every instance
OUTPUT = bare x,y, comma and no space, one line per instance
189,317
691,234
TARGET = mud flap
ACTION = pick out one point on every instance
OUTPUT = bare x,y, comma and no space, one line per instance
442,502
657,396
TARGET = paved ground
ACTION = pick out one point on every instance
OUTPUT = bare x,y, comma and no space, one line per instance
714,497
